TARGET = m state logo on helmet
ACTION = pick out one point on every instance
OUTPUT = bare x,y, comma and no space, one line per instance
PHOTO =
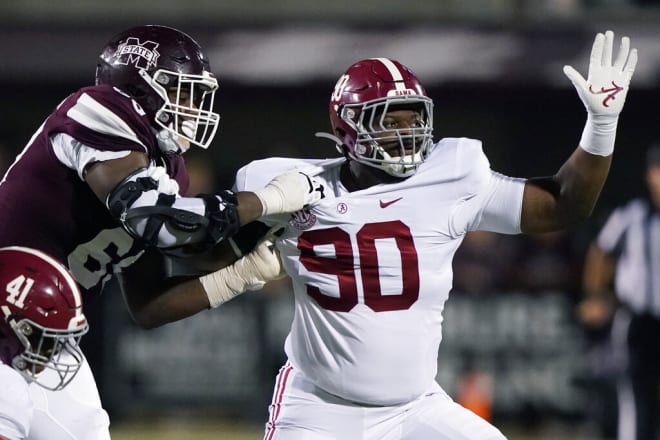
141,55
373,87
41,314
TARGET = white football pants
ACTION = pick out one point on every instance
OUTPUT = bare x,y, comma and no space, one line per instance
302,411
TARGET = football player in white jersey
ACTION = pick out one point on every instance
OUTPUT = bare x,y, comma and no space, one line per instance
372,262
41,323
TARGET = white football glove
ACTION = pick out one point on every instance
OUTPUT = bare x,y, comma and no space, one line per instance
289,192
261,265
166,184
250,272
604,91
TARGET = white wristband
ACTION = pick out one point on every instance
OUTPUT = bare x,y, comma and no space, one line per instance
223,285
251,272
271,198
599,134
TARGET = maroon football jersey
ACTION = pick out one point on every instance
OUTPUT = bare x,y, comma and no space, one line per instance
45,204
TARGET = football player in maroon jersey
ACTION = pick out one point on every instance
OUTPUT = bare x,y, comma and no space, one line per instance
101,186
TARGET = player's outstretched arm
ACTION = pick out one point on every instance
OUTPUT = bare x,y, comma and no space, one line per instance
154,298
286,193
146,200
570,195
289,192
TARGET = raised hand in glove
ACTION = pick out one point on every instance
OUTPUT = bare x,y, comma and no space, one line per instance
604,91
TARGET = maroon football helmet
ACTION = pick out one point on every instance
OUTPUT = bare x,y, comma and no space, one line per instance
42,317
165,71
364,94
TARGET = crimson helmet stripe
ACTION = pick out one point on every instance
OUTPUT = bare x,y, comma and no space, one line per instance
73,287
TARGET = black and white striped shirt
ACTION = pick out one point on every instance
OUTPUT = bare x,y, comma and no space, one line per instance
632,233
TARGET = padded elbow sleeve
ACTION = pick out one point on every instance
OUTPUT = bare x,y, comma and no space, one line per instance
158,217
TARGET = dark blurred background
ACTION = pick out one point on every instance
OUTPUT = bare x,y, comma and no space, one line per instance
513,347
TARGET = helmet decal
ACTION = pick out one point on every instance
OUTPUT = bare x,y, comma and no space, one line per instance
398,80
141,55
339,87
57,267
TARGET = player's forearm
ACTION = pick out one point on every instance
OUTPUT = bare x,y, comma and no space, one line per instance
180,298
249,207
568,197
286,193
580,181
175,303
155,297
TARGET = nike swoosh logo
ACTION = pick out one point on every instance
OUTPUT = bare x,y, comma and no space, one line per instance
386,204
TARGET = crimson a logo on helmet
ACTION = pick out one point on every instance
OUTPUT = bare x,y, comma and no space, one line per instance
303,219
141,55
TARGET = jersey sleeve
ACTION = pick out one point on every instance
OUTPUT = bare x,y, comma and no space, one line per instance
486,200
103,118
77,156
502,207
258,173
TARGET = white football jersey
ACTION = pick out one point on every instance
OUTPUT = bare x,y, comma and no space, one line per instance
16,408
372,269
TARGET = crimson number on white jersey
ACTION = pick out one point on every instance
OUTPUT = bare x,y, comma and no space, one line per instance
343,266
